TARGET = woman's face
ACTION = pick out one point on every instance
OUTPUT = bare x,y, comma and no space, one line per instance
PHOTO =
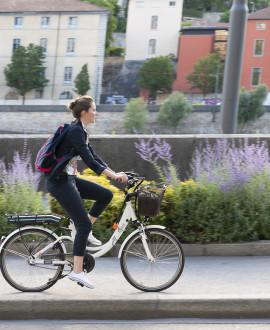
89,116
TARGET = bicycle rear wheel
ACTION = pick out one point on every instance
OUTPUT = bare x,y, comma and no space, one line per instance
15,260
160,274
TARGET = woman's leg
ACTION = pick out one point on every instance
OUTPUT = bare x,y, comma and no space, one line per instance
93,191
69,198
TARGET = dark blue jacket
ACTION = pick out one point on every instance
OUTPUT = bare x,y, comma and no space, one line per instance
74,144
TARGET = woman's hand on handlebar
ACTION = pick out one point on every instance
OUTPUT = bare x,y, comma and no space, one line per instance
121,177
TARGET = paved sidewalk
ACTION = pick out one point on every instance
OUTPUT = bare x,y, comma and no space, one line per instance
211,287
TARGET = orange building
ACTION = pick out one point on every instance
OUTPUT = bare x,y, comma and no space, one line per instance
196,42
256,68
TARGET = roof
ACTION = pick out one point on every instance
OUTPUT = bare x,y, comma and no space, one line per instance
260,14
17,6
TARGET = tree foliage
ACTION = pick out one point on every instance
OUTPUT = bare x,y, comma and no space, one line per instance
135,115
251,106
82,82
174,109
26,71
157,74
112,23
204,74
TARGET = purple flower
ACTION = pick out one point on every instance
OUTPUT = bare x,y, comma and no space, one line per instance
230,165
19,170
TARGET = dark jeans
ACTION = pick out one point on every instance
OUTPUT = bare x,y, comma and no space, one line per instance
69,195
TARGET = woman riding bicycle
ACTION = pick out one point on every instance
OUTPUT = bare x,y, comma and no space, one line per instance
69,190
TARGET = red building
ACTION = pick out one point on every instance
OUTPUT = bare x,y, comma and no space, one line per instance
256,68
196,42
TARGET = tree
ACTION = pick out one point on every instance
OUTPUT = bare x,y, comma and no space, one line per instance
112,23
135,115
251,106
225,17
157,74
174,109
82,83
204,74
26,71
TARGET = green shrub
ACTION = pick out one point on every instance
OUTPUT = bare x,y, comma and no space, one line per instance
135,115
174,109
115,51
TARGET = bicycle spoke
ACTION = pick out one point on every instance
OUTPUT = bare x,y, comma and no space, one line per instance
15,265
149,275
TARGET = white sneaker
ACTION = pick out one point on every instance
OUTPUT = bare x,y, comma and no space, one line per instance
93,240
81,278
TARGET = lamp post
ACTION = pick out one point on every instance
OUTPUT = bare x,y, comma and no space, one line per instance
233,66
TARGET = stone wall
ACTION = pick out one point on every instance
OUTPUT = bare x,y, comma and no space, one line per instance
45,119
119,151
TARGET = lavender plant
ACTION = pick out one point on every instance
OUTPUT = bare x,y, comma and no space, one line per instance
19,188
158,153
228,165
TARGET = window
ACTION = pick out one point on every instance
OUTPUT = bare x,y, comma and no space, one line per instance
256,76
260,25
43,43
66,95
12,95
139,4
172,3
45,22
152,46
258,47
72,22
16,44
68,74
38,94
70,46
18,22
154,22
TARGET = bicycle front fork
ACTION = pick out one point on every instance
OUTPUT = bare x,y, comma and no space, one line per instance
145,245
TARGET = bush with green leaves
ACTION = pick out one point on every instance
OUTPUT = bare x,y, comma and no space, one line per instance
251,106
174,109
226,200
115,51
18,190
135,115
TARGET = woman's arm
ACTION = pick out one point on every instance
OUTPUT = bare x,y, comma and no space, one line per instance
121,177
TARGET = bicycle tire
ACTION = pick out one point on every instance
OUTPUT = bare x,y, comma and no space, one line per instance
15,260
158,275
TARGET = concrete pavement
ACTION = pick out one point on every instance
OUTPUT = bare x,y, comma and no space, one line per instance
210,287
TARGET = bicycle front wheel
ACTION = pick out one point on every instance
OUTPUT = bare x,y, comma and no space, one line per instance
18,267
157,275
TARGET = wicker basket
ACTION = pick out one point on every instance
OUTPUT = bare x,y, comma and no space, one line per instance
149,199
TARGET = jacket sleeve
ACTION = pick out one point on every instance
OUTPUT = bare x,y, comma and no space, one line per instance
77,140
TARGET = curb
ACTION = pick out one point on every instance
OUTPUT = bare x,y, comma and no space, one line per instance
257,248
133,309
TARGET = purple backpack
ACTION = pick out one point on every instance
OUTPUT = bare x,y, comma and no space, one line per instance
46,158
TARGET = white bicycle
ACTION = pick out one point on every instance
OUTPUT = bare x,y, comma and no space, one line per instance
33,257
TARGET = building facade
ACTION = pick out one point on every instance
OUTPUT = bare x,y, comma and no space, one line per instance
256,69
195,43
71,32
152,28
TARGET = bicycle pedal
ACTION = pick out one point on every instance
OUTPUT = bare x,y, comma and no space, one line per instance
80,284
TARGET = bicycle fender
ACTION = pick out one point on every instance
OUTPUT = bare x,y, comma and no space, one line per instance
134,233
31,227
